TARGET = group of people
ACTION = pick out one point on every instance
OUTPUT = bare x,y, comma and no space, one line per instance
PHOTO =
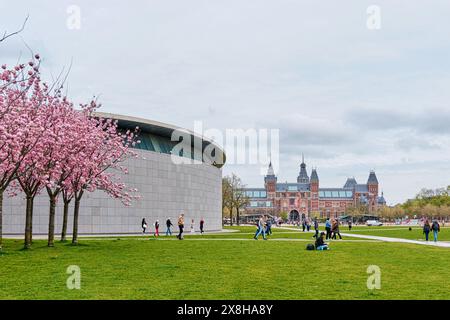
433,227
169,226
264,227
332,232
332,229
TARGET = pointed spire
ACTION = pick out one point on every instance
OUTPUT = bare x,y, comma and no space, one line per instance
350,183
372,178
314,176
270,171
303,175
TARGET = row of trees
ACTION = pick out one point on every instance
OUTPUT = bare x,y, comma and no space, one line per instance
234,198
48,145
430,203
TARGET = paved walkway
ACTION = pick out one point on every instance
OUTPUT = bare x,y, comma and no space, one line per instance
116,235
389,239
246,239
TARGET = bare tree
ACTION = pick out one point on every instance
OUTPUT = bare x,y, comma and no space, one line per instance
6,35
233,196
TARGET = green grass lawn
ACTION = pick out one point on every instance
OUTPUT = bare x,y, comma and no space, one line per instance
416,233
139,268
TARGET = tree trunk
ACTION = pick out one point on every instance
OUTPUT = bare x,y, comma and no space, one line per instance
31,219
65,218
75,218
51,222
28,222
231,216
237,216
1,220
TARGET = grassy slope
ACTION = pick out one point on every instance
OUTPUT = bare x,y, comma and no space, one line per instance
152,269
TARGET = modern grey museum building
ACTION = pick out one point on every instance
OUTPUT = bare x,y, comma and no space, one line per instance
166,187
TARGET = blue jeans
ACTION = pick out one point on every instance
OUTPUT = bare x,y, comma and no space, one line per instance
322,247
259,231
426,235
435,235
168,232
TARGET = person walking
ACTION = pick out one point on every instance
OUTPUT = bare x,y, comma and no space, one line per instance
202,224
308,225
426,229
144,225
269,227
156,228
328,228
316,228
335,229
261,229
436,228
180,226
192,226
350,225
303,225
168,226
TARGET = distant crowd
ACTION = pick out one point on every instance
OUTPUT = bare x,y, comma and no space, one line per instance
169,226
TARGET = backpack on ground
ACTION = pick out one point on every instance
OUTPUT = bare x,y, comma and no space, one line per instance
310,246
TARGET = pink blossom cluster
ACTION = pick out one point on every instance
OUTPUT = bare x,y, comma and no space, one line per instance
48,144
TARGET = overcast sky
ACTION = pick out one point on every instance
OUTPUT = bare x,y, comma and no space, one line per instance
350,98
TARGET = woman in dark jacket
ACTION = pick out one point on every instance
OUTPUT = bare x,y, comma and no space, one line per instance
320,243
144,225
335,229
426,229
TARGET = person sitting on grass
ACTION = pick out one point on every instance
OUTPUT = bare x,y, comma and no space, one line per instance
320,242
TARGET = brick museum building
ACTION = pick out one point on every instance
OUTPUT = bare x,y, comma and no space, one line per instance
305,198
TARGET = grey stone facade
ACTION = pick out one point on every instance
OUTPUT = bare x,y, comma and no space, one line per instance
166,190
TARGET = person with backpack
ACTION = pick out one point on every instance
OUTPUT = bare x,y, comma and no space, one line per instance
426,229
328,228
168,225
320,243
156,228
436,228
144,225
